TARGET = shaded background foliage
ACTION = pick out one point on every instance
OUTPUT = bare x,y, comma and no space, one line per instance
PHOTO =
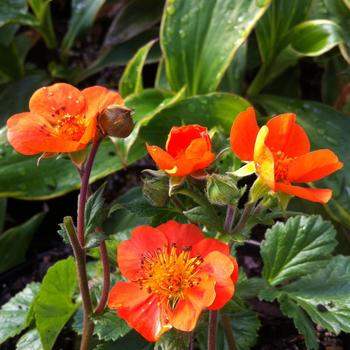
183,61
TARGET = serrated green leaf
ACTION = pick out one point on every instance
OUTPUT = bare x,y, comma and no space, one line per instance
131,80
17,313
110,327
83,16
247,288
54,306
325,294
95,210
296,248
205,216
11,9
29,340
199,39
14,242
301,321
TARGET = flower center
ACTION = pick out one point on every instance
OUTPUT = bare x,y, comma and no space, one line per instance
281,165
169,273
71,126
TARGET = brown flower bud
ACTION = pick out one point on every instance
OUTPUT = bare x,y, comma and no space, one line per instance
116,121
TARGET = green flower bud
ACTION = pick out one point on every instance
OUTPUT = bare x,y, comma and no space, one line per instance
116,121
223,190
258,190
156,190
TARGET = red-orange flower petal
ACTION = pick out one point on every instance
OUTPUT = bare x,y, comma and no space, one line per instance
320,195
286,136
140,309
163,159
180,137
57,100
30,134
182,235
220,267
130,252
243,134
188,310
313,166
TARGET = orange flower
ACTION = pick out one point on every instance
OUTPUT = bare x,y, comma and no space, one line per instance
188,149
173,273
61,119
279,153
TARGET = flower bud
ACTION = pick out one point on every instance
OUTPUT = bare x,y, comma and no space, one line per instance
223,190
156,190
116,121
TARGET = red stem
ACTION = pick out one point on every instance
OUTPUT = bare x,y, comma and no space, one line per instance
86,171
213,321
106,279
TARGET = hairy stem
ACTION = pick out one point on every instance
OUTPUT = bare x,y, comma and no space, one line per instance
85,176
230,218
88,325
212,328
243,219
106,279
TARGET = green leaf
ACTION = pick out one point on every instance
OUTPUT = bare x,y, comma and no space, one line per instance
301,321
248,288
326,128
17,313
95,210
135,17
10,10
110,327
29,340
325,294
54,306
131,341
216,109
199,39
10,62
14,96
3,206
204,216
296,248
20,177
14,242
131,80
313,38
119,55
83,14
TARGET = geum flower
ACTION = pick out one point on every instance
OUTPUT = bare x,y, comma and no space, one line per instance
188,150
174,272
279,154
61,119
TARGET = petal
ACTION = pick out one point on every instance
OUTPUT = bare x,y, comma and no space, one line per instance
199,154
220,267
263,158
181,137
243,134
208,245
141,310
183,235
57,100
313,166
286,136
130,252
188,310
30,134
163,159
235,272
245,170
320,195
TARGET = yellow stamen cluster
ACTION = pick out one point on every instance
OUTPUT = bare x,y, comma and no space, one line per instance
71,126
281,165
169,273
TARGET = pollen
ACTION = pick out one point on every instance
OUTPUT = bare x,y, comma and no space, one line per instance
71,127
168,273
281,165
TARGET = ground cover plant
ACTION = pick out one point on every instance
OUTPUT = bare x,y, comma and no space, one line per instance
174,174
